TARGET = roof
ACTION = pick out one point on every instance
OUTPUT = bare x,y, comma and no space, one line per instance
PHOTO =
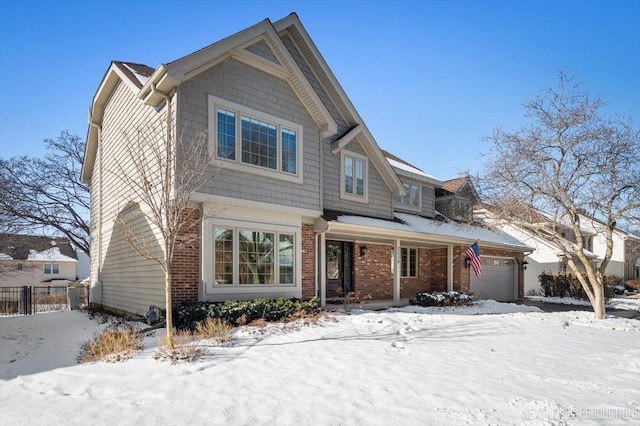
150,85
454,185
406,169
431,230
24,247
138,73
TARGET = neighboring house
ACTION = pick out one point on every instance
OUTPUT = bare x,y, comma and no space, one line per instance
548,257
455,199
27,260
304,203
625,257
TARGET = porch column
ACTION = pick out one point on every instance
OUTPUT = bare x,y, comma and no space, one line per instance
396,271
322,266
449,267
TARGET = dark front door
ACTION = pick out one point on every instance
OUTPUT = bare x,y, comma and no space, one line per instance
339,268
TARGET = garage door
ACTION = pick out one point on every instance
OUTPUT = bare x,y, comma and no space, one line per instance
497,280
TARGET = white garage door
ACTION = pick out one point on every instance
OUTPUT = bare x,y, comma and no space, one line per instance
497,280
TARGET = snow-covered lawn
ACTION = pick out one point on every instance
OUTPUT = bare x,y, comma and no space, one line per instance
615,303
397,367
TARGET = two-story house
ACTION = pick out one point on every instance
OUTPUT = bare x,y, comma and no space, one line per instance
304,202
31,260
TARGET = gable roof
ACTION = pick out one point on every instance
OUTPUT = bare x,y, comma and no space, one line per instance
410,171
138,74
23,247
291,25
151,85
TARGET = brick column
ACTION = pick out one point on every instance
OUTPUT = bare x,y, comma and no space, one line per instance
308,262
186,261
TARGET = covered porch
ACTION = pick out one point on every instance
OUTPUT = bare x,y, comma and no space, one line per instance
390,261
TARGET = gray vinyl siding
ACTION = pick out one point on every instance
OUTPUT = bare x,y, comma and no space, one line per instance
245,85
380,197
317,86
428,201
127,281
262,49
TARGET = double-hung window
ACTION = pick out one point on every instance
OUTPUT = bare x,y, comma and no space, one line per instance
408,262
253,257
51,268
411,199
353,182
254,141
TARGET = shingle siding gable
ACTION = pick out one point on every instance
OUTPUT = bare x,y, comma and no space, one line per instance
245,85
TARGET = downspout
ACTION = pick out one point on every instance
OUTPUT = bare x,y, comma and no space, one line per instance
321,208
99,130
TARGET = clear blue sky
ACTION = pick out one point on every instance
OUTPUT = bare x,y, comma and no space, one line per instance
429,78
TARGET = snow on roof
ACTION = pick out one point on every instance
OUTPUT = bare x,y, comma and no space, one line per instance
418,224
141,78
410,169
52,254
4,256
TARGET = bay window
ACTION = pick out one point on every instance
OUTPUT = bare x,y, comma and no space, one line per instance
253,257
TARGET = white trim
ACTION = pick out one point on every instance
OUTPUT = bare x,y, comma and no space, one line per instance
219,202
323,269
353,197
215,102
409,207
338,144
417,262
248,220
450,267
396,272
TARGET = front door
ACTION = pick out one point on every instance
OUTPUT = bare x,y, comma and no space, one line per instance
339,268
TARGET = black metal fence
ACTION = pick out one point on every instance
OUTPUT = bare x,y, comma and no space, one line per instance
29,300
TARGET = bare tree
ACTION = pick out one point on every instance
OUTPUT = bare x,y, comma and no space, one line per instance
165,172
571,162
46,193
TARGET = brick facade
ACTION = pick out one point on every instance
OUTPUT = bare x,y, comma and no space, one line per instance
308,262
186,261
372,272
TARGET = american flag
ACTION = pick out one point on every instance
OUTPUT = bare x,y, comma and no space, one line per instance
474,257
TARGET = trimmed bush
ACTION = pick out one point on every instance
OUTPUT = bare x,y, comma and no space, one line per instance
243,312
445,298
567,285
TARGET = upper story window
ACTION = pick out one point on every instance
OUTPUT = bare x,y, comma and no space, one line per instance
412,199
255,142
51,268
353,181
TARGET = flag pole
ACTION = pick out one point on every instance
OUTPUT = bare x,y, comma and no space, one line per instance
460,255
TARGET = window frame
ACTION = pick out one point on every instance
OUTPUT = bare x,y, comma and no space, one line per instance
399,201
54,268
364,198
236,163
408,266
278,232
